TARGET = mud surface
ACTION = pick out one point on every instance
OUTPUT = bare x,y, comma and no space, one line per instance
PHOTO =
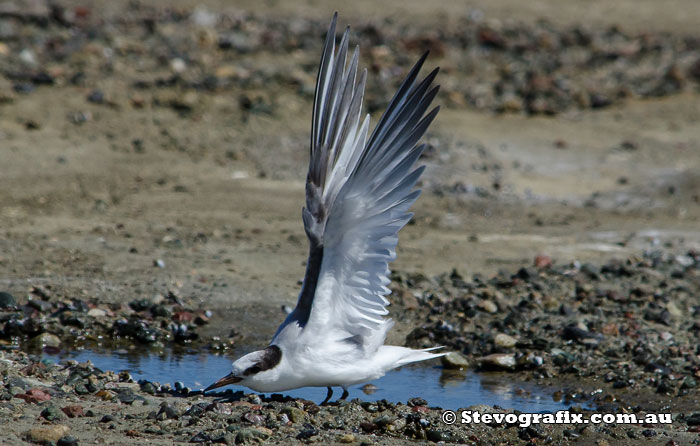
151,171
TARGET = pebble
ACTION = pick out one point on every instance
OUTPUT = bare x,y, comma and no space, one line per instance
694,419
52,413
126,396
46,435
166,412
148,387
28,57
673,309
96,312
34,396
46,340
454,360
107,418
498,361
105,395
67,441
504,341
7,300
295,414
543,261
488,306
253,418
437,435
203,437
178,65
345,438
369,389
253,435
307,433
73,411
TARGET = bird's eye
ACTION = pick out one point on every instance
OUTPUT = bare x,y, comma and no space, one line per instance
252,370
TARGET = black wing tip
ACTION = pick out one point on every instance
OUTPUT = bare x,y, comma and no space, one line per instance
332,26
423,57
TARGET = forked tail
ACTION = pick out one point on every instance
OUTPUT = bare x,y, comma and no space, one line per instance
392,356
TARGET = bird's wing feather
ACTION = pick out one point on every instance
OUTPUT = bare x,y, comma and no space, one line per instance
358,194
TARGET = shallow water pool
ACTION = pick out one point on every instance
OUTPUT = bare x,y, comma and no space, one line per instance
443,388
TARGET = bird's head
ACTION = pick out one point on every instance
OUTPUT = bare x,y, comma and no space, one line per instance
249,367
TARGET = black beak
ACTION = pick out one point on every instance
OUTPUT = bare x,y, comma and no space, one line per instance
225,381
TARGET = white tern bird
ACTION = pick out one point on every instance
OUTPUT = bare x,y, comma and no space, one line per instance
358,193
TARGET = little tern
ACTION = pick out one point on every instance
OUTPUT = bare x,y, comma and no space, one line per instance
358,193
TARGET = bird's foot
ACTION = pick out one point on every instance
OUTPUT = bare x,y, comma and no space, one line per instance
344,395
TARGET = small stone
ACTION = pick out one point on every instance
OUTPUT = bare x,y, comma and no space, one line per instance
454,360
685,260
295,414
673,309
253,435
126,396
570,433
7,300
178,65
166,412
689,383
369,389
46,340
46,435
368,427
307,433
67,441
105,395
543,261
384,420
498,361
34,396
107,418
148,387
504,341
694,419
253,418
437,435
488,306
416,401
560,357
52,413
346,438
254,399
97,312
73,411
28,57
583,336
96,97
159,263
201,437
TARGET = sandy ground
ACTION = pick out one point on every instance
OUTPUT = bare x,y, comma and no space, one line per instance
216,193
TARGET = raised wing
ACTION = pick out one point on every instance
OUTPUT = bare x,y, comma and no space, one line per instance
358,193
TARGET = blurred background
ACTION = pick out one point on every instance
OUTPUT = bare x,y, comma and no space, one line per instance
164,143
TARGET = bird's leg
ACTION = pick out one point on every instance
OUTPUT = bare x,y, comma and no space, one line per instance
328,396
344,395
